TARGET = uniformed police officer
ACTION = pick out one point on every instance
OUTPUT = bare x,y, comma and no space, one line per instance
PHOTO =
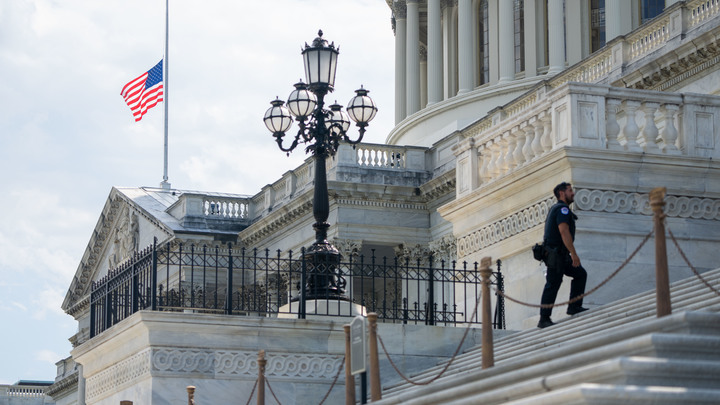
560,255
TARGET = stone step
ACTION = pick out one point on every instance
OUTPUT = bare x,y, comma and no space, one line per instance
608,394
648,338
624,371
688,294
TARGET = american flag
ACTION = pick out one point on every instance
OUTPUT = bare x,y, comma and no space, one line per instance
145,92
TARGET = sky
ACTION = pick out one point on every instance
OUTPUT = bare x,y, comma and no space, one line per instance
67,136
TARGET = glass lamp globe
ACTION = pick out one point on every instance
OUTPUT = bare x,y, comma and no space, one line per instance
337,117
277,118
301,102
361,108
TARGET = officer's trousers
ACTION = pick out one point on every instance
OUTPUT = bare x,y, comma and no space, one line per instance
553,281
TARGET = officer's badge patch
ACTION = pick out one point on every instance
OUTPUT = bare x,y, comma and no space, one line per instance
564,210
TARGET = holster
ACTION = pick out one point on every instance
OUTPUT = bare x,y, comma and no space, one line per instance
555,257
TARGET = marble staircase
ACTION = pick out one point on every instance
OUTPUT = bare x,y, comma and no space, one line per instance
617,353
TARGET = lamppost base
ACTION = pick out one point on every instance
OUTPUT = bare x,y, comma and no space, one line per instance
324,280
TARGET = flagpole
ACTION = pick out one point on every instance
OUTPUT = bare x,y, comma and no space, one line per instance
165,183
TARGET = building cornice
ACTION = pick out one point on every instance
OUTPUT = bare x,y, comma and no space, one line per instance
64,386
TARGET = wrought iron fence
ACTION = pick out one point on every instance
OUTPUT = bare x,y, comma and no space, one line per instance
192,278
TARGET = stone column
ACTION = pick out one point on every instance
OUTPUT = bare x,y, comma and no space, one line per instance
449,49
412,57
400,41
434,52
466,53
618,18
556,37
574,29
507,43
531,38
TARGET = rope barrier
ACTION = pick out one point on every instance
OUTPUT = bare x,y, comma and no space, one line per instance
694,270
252,393
579,297
267,382
342,365
447,366
327,394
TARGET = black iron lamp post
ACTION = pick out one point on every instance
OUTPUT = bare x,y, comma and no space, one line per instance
322,130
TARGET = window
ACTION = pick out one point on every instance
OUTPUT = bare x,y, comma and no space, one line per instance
651,9
519,34
597,24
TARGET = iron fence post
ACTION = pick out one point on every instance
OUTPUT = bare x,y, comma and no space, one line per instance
303,282
431,294
228,295
135,289
153,286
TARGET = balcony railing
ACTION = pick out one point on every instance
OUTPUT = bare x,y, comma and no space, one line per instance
191,278
588,116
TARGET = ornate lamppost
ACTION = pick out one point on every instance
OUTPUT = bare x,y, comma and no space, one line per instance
321,129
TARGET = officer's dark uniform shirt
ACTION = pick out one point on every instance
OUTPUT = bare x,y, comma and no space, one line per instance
559,213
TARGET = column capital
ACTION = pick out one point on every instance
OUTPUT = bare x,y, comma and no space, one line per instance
400,9
448,4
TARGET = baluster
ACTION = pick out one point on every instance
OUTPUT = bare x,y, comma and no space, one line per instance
518,156
362,157
546,140
502,151
537,134
491,160
511,145
527,148
649,132
376,158
669,134
484,161
630,131
612,128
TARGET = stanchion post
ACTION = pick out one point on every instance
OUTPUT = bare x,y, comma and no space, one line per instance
375,392
191,394
662,279
261,378
488,356
349,378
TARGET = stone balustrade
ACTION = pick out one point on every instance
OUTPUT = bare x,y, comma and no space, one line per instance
702,10
587,116
22,391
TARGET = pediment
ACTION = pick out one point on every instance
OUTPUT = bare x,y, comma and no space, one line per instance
117,235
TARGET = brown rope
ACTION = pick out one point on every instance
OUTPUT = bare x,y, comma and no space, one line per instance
327,394
694,270
447,365
252,393
342,365
267,382
579,297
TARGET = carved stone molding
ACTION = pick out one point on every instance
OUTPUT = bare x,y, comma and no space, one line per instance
262,229
445,249
244,364
637,203
113,378
382,204
414,254
400,9
587,200
507,227
348,248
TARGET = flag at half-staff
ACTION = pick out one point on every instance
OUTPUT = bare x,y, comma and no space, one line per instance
145,92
